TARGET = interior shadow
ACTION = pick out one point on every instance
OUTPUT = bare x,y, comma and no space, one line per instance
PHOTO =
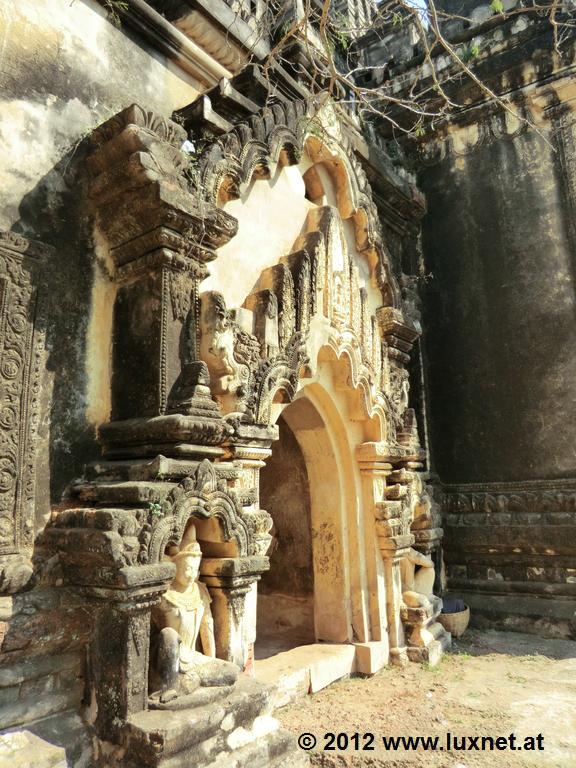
286,591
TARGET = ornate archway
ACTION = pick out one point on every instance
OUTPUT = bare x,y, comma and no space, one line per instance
325,299
196,389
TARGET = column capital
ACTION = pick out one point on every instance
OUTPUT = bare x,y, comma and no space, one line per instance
147,207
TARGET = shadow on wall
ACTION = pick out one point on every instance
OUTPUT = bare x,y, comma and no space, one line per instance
285,495
286,591
488,642
54,213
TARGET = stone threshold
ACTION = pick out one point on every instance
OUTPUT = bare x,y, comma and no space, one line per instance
307,669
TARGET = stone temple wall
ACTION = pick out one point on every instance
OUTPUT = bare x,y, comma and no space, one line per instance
114,347
65,68
502,353
498,262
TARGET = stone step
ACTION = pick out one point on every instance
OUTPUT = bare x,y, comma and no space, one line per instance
437,630
156,737
277,749
307,668
433,652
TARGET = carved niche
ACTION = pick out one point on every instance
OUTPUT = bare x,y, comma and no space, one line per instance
21,356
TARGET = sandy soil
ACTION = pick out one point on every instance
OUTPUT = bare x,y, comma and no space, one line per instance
492,683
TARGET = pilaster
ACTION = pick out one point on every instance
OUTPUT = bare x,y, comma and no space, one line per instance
21,360
160,234
233,583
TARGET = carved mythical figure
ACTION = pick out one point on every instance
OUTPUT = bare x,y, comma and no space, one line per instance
417,579
217,341
182,617
399,392
229,351
411,299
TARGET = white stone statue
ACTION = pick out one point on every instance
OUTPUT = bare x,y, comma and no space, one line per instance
183,617
417,579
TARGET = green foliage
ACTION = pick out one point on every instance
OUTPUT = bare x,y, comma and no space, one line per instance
155,508
113,7
419,129
194,153
497,6
470,52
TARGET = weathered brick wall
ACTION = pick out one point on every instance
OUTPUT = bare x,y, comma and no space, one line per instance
510,553
43,636
500,347
65,69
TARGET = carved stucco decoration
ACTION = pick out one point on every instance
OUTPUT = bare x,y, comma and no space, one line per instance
21,361
280,134
202,495
459,137
249,368
144,200
248,365
231,353
120,538
540,497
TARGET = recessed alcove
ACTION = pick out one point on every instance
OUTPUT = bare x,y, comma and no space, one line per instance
286,591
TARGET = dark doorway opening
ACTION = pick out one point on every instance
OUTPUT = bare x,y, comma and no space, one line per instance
286,592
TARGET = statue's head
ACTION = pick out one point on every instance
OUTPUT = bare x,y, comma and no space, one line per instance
187,562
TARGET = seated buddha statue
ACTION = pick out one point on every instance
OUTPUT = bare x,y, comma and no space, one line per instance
183,620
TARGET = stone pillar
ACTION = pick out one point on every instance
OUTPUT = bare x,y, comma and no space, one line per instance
98,550
21,360
394,549
373,471
160,235
232,583
249,452
119,653
394,515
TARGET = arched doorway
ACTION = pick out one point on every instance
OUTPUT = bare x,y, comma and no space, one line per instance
314,603
286,591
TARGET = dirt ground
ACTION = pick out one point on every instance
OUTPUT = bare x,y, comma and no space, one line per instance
491,684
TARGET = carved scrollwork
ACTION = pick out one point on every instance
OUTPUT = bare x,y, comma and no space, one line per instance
536,497
21,357
165,129
202,495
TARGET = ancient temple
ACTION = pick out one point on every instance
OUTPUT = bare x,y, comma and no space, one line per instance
228,455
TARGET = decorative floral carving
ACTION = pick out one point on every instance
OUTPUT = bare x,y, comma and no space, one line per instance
165,129
21,353
181,292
